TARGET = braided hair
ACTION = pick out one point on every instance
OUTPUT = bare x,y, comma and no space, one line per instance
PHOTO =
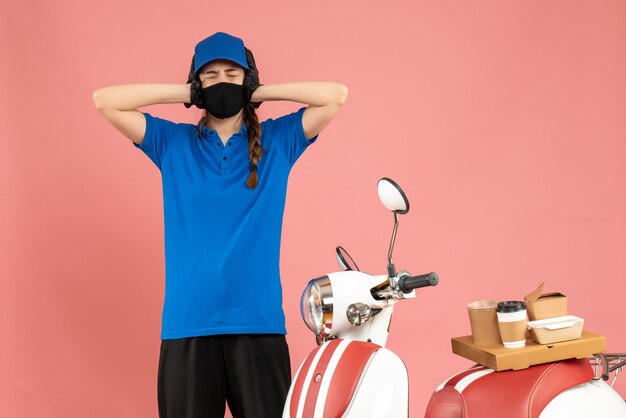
254,144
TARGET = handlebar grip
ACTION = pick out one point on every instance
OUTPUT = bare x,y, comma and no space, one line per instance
407,284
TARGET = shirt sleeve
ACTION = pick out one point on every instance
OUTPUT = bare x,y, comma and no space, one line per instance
157,139
288,135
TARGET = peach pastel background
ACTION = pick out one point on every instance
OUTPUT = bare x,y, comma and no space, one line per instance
504,122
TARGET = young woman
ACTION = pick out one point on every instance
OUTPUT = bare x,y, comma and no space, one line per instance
224,187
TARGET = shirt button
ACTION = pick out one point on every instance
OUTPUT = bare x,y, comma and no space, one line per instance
224,157
230,144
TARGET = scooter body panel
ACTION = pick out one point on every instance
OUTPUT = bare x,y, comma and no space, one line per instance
591,399
388,400
342,378
351,287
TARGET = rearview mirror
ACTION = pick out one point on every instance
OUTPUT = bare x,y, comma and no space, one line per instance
392,196
344,260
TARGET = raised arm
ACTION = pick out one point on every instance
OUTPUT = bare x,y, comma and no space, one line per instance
119,104
324,98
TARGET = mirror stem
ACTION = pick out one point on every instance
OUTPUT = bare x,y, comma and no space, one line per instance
391,269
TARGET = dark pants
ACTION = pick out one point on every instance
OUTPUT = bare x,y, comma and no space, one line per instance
197,375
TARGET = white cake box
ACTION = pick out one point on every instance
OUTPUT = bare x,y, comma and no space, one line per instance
554,330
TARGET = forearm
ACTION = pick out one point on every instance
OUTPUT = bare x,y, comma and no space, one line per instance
134,96
314,93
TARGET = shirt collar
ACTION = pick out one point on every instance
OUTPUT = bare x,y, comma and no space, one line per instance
242,132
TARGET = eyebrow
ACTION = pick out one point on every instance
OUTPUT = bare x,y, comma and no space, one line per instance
227,70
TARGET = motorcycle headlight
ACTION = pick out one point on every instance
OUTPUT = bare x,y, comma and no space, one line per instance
316,306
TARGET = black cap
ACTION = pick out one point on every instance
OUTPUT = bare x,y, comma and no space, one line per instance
511,306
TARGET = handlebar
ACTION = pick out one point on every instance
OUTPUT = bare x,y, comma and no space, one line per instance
407,284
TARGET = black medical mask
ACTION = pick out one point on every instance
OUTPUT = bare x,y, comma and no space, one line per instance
223,100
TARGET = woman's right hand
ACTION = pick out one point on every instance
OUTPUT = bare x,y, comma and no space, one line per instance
195,90
251,80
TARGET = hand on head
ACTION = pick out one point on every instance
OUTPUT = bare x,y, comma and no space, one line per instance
251,81
196,88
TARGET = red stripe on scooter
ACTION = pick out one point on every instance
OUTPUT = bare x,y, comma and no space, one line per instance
347,376
454,380
297,389
316,379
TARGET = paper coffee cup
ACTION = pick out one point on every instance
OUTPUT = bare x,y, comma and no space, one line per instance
484,322
512,321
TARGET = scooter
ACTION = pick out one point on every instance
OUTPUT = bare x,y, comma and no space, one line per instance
352,375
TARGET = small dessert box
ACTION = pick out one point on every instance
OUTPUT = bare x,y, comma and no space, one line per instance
554,330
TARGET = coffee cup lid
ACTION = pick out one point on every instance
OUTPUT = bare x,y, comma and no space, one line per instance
510,306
